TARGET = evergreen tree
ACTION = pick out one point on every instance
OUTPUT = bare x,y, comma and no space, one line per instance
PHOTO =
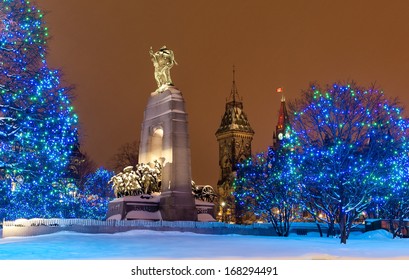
97,183
5,195
80,166
96,195
37,121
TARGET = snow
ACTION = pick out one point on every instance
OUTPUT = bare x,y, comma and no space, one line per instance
144,215
205,218
109,256
116,217
146,244
149,199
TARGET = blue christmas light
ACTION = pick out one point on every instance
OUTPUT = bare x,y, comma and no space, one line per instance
37,122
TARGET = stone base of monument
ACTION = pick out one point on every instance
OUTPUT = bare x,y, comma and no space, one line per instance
141,207
176,207
147,207
205,211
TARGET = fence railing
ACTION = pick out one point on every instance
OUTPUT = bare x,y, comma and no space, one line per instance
23,227
126,223
141,223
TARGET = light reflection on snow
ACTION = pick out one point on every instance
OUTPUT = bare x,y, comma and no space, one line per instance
145,244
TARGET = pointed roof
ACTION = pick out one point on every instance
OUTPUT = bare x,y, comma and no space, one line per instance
234,117
234,93
283,124
283,120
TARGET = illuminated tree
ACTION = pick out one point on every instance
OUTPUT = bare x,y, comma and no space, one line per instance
5,194
392,203
96,183
37,121
268,186
96,195
348,136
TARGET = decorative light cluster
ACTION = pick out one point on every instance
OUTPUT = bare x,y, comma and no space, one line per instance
38,125
267,186
351,141
350,158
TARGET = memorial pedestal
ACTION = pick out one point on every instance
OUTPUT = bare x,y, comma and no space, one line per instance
165,138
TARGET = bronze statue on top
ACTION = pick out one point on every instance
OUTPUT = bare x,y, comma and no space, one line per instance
163,60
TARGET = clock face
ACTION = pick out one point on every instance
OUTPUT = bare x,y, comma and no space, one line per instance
280,136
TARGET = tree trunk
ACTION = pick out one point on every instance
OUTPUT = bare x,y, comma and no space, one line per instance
287,228
319,228
350,220
331,228
392,228
343,228
342,216
399,229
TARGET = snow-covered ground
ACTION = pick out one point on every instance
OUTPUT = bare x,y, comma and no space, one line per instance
372,255
145,244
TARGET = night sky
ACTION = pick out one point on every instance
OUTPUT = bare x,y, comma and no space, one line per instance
102,47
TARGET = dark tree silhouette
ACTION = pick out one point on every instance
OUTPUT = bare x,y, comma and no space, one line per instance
127,155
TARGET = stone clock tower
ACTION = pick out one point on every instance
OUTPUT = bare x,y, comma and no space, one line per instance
234,137
283,127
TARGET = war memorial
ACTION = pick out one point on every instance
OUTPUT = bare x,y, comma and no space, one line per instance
164,149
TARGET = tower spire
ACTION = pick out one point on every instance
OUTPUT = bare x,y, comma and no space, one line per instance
283,124
234,94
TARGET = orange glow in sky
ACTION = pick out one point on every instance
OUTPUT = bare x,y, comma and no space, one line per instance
103,47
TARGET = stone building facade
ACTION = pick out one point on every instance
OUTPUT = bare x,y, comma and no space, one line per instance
234,136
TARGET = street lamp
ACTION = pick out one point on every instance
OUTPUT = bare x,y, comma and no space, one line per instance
223,204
